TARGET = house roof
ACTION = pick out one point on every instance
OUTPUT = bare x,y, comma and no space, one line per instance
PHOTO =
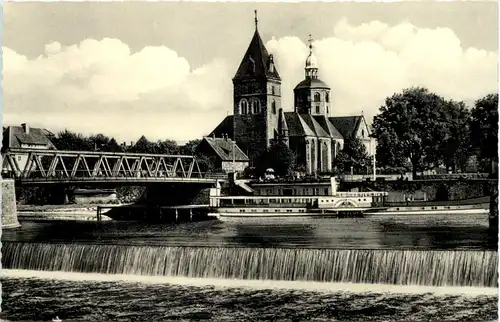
256,62
15,136
346,125
225,148
224,127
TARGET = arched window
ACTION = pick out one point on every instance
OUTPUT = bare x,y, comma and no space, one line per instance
327,97
317,97
272,90
362,133
273,107
243,106
256,106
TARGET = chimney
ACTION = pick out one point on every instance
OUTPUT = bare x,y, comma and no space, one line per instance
226,136
213,135
132,143
26,128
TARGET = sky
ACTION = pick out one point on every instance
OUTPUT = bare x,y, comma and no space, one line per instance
164,69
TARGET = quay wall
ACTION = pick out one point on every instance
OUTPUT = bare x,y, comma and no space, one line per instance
439,191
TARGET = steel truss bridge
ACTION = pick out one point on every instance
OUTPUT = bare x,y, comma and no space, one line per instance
36,166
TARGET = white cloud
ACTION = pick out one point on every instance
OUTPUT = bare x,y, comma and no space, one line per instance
101,86
365,64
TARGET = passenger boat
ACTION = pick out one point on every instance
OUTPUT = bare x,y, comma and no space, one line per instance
336,204
333,204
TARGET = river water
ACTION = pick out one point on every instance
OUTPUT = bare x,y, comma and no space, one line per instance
380,269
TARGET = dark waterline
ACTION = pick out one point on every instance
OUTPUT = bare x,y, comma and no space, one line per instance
402,232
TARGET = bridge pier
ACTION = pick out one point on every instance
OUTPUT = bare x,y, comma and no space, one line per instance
493,217
9,209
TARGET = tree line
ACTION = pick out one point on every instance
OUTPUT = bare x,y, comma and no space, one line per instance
68,140
419,130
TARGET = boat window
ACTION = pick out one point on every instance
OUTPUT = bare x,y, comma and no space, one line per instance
265,210
276,210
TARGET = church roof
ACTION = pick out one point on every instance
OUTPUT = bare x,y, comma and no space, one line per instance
255,63
314,125
224,127
312,83
328,126
297,126
347,125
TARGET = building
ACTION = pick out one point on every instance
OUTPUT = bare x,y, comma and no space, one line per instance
259,119
227,155
25,137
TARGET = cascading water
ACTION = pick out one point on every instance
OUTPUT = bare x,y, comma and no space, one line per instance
404,267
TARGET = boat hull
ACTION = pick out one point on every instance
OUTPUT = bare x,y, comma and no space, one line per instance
224,214
477,211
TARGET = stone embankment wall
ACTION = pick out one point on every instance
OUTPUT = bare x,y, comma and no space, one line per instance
441,191
9,208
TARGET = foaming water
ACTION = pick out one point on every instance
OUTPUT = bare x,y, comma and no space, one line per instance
252,284
397,267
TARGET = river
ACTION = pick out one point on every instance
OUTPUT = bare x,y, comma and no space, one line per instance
380,269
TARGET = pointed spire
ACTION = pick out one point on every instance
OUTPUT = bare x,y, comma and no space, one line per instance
257,62
310,44
256,20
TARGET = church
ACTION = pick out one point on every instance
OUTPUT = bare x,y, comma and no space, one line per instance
259,119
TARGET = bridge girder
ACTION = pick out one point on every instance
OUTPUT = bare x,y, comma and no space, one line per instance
33,164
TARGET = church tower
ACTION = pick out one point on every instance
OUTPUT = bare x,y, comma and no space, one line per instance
257,99
312,95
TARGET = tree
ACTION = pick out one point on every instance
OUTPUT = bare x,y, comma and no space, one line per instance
143,145
70,141
190,147
279,157
353,155
455,149
484,129
411,126
166,147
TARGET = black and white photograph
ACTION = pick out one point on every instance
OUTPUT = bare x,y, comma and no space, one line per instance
249,161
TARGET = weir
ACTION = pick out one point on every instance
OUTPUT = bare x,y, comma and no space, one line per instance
402,267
